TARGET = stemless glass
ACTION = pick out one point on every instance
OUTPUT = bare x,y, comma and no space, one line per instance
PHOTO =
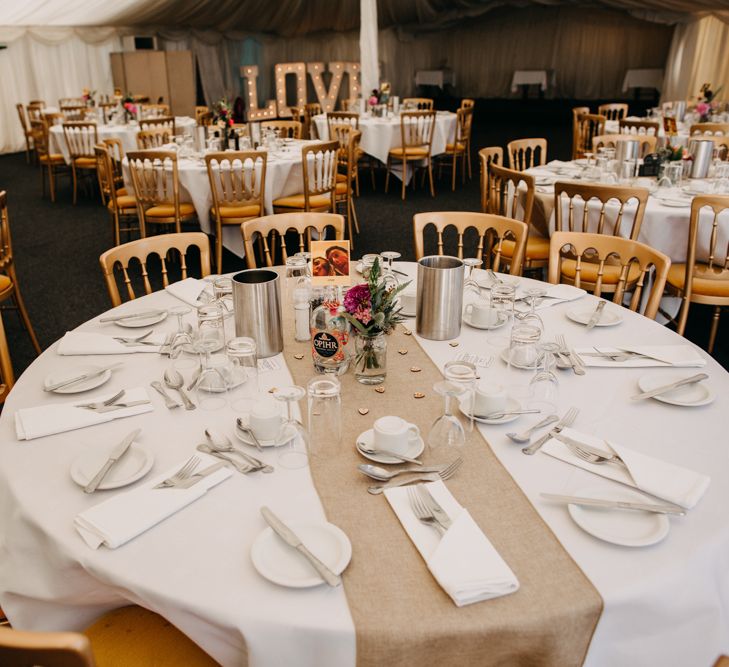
297,276
388,273
324,416
182,341
212,384
463,374
524,351
293,450
544,385
531,316
210,326
447,430
243,380
502,300
471,290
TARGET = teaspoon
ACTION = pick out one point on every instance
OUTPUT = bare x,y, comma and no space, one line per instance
382,475
222,443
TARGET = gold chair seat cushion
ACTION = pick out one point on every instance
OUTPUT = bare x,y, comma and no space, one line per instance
410,151
124,201
52,158
458,148
297,201
121,191
702,286
246,211
5,283
359,153
341,178
137,636
536,248
168,210
85,162
342,188
588,271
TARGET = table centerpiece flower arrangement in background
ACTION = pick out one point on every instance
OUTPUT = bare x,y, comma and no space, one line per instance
223,118
130,108
707,102
373,310
88,97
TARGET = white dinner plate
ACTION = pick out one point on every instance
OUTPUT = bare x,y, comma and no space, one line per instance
511,405
281,564
415,448
608,318
77,387
531,367
470,323
139,322
135,464
692,395
544,180
288,435
622,527
674,203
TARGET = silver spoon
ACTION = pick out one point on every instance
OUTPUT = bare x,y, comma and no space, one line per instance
222,443
384,452
174,380
247,430
382,475
240,467
526,435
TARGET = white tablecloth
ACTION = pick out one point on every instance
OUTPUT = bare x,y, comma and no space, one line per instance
665,604
126,133
435,77
525,77
643,78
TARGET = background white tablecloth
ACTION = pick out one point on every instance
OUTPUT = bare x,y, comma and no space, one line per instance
435,77
643,78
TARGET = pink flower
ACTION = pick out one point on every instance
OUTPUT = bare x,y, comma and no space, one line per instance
702,108
373,100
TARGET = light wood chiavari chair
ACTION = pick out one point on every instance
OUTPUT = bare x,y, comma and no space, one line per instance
492,231
721,145
139,251
53,163
106,109
73,113
416,141
613,111
81,137
349,104
37,103
647,127
34,111
9,286
272,227
419,103
116,152
7,380
460,147
162,121
238,183
467,103
511,195
348,139
635,266
121,206
576,113
27,133
199,111
54,118
721,129
589,125
284,129
157,190
155,137
704,277
205,118
526,153
486,156
319,167
647,142
309,129
71,102
335,118
154,110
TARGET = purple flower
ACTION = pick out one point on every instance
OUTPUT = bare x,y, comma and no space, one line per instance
358,298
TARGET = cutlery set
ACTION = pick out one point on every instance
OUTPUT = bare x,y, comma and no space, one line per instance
427,510
111,404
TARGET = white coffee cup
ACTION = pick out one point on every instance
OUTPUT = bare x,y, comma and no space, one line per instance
265,420
489,399
407,302
482,314
394,434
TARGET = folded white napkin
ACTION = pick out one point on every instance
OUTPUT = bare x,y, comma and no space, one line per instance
189,291
682,356
88,342
463,561
126,515
670,482
43,420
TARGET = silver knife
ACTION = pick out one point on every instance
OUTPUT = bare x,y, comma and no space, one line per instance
616,504
440,515
668,387
81,378
120,406
133,316
194,479
114,456
288,536
596,315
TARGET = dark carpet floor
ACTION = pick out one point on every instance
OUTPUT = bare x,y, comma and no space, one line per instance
57,246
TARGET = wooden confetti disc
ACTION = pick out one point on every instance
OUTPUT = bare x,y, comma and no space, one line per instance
415,369
403,351
298,356
363,411
418,394
454,343
380,390
407,332
273,390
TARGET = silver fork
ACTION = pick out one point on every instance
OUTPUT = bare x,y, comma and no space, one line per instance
577,366
590,456
102,404
421,511
567,420
444,474
181,475
133,340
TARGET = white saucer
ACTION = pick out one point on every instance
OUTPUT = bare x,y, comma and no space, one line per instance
246,439
511,405
134,465
139,322
532,367
281,564
690,396
626,528
608,318
415,448
467,320
675,203
77,387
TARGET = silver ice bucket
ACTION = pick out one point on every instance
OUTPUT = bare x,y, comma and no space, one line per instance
702,152
257,308
439,302
679,108
626,149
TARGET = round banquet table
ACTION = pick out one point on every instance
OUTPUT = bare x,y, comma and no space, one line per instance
126,133
664,604
681,138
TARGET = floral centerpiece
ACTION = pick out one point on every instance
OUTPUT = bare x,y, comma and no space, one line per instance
223,117
88,97
707,103
373,310
129,106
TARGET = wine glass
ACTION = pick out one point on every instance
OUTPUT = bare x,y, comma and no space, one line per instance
293,452
463,374
502,300
531,317
389,274
544,385
182,341
212,384
470,286
447,430
243,381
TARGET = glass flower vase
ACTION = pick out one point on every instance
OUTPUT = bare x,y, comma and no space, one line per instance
370,360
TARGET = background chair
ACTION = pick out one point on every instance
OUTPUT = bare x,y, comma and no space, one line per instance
721,129
613,111
647,142
348,139
319,167
238,183
491,231
81,137
526,153
140,251
121,206
486,156
309,129
576,113
7,380
416,141
284,129
337,118
53,163
641,127
26,131
588,125
419,103
704,277
269,227
460,148
631,261
161,121
154,137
